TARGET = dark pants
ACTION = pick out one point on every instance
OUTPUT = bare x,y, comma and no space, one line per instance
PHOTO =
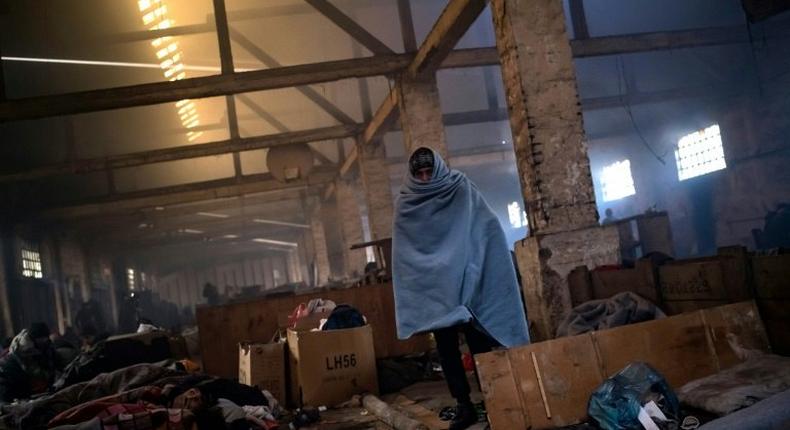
450,356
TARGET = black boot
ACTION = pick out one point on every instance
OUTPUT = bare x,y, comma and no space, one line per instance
465,416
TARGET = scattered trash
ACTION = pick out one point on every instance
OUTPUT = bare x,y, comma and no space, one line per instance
689,423
304,417
447,413
635,397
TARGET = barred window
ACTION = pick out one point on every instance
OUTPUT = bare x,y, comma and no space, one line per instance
31,264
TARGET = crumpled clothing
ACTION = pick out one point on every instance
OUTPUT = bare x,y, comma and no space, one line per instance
35,414
147,328
231,411
86,411
314,306
618,310
259,412
274,406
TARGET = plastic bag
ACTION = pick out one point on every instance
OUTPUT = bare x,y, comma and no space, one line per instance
615,404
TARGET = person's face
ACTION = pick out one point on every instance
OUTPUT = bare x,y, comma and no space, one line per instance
424,174
42,343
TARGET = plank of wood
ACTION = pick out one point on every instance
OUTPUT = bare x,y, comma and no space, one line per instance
505,411
677,347
569,371
703,280
390,416
734,328
771,275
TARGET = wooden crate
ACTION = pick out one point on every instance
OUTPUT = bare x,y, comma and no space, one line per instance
548,384
223,327
687,285
585,285
771,276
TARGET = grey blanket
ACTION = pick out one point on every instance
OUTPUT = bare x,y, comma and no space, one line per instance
769,414
740,386
620,309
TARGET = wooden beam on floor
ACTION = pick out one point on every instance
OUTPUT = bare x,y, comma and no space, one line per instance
356,31
185,152
452,24
192,192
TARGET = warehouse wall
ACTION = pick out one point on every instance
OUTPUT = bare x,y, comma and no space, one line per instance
257,274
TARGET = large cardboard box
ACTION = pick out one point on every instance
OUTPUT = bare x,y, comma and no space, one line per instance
263,364
547,384
331,366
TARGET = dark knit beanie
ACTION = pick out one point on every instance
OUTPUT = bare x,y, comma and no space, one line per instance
420,159
38,330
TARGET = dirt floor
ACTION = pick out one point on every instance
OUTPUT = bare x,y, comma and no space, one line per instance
421,401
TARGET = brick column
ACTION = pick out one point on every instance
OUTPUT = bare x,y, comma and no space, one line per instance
320,252
378,193
551,156
351,227
421,114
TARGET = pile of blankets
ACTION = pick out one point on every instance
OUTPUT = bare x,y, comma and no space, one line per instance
146,397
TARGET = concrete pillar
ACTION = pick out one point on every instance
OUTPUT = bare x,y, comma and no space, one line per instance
551,156
320,251
351,226
378,193
421,114
334,237
5,299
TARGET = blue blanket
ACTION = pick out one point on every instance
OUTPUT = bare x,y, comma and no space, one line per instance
451,261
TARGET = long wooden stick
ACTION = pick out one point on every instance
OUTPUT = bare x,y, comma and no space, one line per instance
540,384
390,416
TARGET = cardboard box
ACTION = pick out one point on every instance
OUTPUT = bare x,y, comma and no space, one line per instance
263,365
548,384
328,367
